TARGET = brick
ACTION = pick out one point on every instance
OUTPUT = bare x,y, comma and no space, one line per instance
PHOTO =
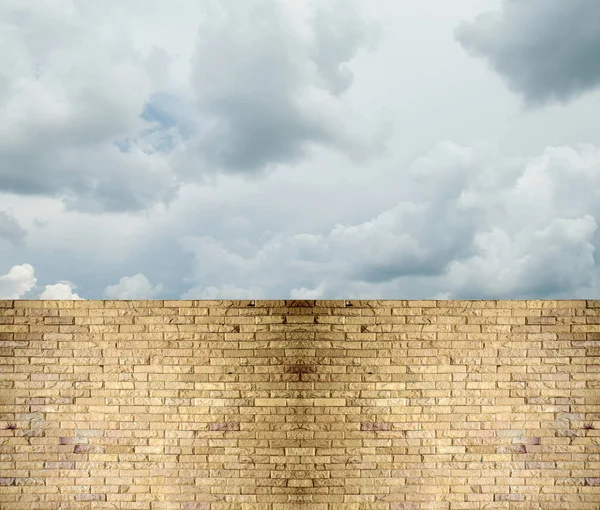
59,320
224,426
509,497
90,497
540,320
375,426
231,404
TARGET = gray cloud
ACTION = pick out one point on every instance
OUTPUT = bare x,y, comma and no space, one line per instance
10,229
270,97
89,179
466,223
545,50
133,287
107,121
477,225
268,77
65,104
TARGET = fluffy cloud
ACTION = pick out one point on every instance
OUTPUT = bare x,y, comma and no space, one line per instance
106,120
463,222
476,225
267,79
18,281
133,287
61,290
65,105
545,50
226,291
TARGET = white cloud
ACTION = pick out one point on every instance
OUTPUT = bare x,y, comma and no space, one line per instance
226,291
304,293
21,279
133,287
18,281
61,290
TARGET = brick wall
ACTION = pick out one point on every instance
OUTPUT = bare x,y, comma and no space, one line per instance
391,405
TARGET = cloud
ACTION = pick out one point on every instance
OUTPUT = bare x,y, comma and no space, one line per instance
61,290
226,291
18,281
304,293
118,121
268,76
473,224
10,229
133,287
546,51
459,222
65,105
556,259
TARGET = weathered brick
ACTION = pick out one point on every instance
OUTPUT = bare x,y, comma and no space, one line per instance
224,426
509,497
375,426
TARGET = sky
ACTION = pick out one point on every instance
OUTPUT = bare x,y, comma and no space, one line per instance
299,149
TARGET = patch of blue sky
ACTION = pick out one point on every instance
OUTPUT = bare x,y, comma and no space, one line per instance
170,121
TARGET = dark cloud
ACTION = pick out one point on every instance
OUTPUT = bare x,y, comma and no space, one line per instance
92,180
545,49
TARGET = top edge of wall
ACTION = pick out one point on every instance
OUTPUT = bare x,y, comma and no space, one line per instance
320,303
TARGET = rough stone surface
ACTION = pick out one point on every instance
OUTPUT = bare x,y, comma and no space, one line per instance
322,405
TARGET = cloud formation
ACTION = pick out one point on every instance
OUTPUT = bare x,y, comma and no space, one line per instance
545,50
20,281
133,287
106,121
476,225
61,290
467,223
10,229
226,291
65,104
268,76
